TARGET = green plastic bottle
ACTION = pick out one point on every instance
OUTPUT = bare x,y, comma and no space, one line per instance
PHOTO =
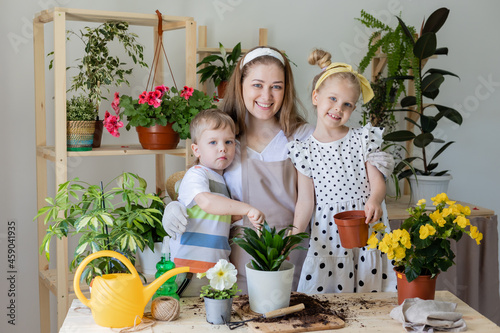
169,288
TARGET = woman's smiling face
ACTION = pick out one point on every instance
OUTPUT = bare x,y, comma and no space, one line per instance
264,90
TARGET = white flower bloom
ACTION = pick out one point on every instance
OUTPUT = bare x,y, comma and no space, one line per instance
222,275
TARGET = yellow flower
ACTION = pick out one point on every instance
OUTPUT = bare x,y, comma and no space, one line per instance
439,199
449,202
426,231
372,241
437,217
475,234
390,254
396,235
379,227
382,246
455,210
464,210
400,253
421,202
447,211
462,221
406,239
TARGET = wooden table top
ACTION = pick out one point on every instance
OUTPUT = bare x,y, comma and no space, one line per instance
396,209
370,315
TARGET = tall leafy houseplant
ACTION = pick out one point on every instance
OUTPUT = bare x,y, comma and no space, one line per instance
98,68
427,85
104,218
80,108
219,67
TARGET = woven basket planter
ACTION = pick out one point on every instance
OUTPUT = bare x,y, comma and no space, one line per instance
80,135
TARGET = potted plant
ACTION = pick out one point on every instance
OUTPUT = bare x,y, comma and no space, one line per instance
219,68
219,293
162,112
80,119
104,218
269,276
421,248
98,69
427,85
387,87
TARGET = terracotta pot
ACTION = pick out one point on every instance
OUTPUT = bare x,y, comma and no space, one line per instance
221,89
158,137
422,287
353,230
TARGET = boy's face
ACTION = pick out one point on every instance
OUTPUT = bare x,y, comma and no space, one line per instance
215,148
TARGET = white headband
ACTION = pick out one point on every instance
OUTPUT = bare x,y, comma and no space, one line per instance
259,52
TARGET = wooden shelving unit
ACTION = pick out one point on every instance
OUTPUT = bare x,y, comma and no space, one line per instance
59,281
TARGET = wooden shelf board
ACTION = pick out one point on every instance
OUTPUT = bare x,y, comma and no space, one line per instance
101,16
48,152
396,209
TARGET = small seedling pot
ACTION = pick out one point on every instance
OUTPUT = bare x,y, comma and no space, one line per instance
353,230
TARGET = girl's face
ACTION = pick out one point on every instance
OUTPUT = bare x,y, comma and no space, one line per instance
215,148
264,90
335,101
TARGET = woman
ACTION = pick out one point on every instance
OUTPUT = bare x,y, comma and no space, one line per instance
261,100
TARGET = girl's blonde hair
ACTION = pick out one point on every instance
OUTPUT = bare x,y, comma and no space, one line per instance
234,105
323,59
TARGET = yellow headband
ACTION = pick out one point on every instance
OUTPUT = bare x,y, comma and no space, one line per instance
338,67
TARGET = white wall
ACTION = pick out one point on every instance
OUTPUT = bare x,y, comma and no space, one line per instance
471,34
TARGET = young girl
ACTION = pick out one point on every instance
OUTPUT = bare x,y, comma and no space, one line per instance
334,176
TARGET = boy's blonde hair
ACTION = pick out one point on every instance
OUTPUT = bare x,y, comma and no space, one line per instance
210,119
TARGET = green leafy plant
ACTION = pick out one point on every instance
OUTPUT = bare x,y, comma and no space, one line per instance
394,44
153,233
166,105
426,85
98,68
80,108
222,279
268,247
219,67
103,218
422,245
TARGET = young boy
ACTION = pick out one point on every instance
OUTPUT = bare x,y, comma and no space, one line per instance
204,193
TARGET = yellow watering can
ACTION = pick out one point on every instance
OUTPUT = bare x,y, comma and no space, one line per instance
118,300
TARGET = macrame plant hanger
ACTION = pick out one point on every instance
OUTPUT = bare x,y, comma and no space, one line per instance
156,57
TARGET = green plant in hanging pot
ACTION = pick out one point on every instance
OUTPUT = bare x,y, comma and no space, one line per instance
269,275
163,107
103,217
219,68
425,117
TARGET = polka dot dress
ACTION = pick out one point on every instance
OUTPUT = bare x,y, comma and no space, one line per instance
341,184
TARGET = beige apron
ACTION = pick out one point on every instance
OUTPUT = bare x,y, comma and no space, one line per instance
270,187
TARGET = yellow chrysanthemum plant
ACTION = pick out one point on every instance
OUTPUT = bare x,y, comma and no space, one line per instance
422,245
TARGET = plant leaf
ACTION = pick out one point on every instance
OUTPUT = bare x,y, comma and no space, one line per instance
432,82
436,20
403,135
441,150
408,101
423,140
441,71
425,46
428,123
406,31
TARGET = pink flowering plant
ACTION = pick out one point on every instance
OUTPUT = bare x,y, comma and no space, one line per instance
422,245
112,122
165,105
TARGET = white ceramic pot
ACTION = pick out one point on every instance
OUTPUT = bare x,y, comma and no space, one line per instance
148,259
427,187
268,291
218,310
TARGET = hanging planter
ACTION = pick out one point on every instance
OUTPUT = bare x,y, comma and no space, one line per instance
158,137
423,287
353,230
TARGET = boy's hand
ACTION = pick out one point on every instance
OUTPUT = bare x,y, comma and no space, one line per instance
373,211
256,217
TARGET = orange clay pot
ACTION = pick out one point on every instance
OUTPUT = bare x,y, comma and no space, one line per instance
422,287
353,230
158,137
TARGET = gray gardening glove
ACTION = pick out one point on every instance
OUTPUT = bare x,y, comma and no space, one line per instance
175,219
383,161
